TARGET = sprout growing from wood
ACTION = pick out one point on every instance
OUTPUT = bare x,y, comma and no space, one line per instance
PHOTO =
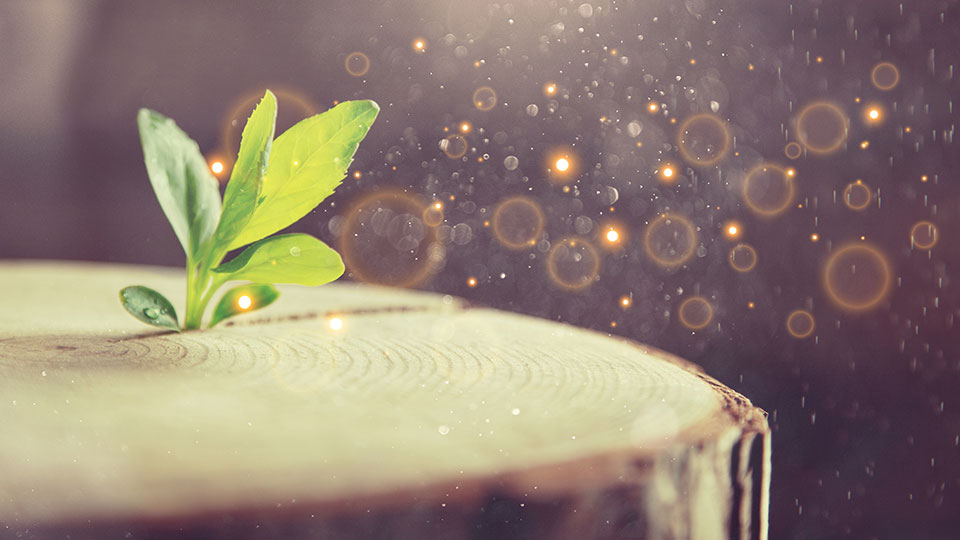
273,184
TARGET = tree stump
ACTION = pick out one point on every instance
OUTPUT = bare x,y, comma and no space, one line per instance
422,417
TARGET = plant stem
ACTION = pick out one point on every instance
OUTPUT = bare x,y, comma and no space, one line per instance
191,321
200,289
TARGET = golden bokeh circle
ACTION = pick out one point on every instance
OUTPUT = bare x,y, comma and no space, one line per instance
573,264
517,222
454,146
433,214
857,195
885,76
857,277
383,240
484,98
764,180
699,148
793,150
696,313
357,64
822,127
924,235
670,240
800,323
743,258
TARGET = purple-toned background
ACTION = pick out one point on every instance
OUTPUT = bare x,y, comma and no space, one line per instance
866,414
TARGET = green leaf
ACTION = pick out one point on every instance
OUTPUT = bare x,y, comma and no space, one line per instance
244,299
185,187
149,306
287,258
246,179
307,163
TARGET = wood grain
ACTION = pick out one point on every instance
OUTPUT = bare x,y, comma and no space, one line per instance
423,417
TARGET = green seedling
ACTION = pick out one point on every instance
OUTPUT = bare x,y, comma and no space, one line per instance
273,184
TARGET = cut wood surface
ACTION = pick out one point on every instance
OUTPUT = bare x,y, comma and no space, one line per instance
422,417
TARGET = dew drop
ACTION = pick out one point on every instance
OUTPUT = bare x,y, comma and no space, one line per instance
151,313
295,251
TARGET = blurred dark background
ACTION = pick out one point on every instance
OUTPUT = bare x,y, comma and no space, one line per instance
865,413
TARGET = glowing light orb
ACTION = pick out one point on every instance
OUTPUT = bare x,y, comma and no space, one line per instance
357,64
562,164
244,302
857,277
465,127
336,323
517,223
612,236
924,235
550,89
873,114
668,173
822,127
625,302
670,240
743,258
695,313
885,76
471,282
703,140
653,107
768,190
732,230
800,324
419,45
216,167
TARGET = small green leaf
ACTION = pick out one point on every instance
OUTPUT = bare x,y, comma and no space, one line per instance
185,187
288,258
246,179
307,162
244,299
149,306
